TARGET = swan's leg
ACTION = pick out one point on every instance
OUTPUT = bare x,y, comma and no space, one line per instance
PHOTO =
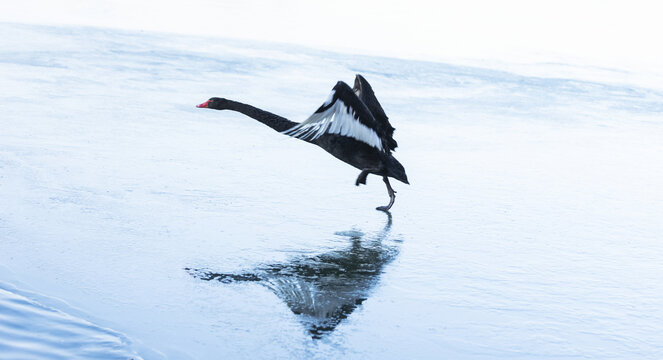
392,195
361,179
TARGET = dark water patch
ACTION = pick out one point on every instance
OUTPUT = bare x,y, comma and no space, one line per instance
325,289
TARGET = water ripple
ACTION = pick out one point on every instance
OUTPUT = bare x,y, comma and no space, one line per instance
30,330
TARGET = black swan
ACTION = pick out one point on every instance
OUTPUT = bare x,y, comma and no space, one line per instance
351,125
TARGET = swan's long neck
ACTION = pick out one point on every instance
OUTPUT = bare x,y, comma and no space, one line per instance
274,121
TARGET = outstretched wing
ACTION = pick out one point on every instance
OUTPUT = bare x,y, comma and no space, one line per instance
343,114
364,91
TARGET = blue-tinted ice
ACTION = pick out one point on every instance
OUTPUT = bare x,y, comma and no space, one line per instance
324,289
531,228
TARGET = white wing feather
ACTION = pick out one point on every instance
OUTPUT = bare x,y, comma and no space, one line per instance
337,119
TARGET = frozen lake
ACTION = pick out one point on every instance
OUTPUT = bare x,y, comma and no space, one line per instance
149,228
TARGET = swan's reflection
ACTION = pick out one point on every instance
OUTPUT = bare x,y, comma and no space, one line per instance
324,289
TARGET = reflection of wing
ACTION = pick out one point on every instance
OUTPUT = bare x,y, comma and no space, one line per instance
365,93
342,114
324,289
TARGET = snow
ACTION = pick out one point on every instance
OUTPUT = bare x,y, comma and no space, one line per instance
531,228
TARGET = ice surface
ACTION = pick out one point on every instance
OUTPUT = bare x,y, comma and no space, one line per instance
531,229
326,288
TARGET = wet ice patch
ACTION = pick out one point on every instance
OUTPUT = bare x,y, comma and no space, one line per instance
350,233
324,289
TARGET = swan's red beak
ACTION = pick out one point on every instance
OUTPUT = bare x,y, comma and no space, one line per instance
203,105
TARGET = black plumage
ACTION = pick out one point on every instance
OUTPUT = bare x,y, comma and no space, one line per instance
365,93
351,125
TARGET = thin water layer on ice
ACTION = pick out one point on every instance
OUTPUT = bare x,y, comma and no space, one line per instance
30,330
323,289
531,228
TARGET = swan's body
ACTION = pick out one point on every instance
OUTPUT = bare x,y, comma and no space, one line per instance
351,125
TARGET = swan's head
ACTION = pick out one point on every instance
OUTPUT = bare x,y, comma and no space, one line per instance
215,103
